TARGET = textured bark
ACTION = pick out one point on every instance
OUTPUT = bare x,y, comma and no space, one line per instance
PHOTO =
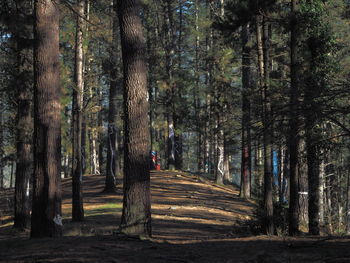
313,164
113,168
77,169
294,126
227,173
1,147
246,139
101,159
267,134
46,208
312,138
219,178
348,203
24,36
169,49
136,216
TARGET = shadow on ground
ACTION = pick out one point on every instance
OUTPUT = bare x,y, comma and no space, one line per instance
193,221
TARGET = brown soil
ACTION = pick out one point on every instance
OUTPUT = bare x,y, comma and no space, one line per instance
194,220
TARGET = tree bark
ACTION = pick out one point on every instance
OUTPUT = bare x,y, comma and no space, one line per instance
113,168
24,37
136,216
294,125
267,134
46,208
1,147
246,88
77,171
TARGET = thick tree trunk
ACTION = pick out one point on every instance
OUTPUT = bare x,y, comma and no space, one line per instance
77,171
46,209
113,168
294,126
24,36
246,88
136,216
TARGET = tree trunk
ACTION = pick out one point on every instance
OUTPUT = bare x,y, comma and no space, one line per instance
77,172
136,216
23,36
294,126
46,208
101,143
219,179
267,134
113,168
1,147
348,203
227,173
246,141
313,164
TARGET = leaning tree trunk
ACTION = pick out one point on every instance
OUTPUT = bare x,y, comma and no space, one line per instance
113,168
77,171
23,34
46,208
136,216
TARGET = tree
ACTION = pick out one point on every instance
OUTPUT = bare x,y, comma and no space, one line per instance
113,168
294,123
23,34
136,215
78,91
46,207
246,119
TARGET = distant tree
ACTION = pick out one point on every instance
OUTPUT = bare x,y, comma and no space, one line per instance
46,208
113,168
136,216
294,123
77,116
246,111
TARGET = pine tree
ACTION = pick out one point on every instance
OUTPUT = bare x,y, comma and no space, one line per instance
46,208
136,216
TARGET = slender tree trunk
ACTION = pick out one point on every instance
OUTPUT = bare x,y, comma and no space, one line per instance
1,147
313,175
113,168
321,191
136,216
294,126
267,130
46,208
348,203
246,86
169,55
220,154
12,171
101,160
227,174
77,172
200,157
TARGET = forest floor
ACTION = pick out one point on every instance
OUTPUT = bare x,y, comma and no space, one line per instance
194,220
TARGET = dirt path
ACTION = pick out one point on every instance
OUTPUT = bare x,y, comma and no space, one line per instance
193,221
